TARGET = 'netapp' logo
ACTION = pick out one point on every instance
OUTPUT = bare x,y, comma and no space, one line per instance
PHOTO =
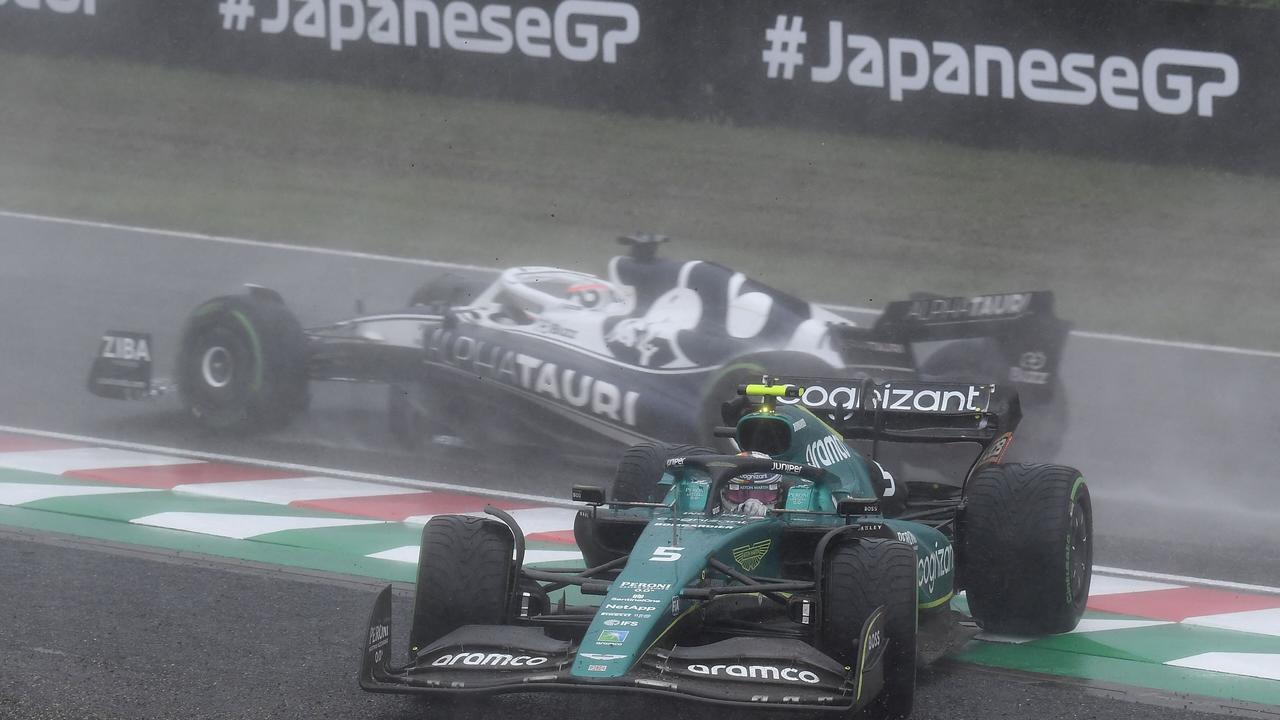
1169,81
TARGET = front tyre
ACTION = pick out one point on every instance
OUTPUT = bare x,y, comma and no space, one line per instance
242,365
1026,540
858,578
464,577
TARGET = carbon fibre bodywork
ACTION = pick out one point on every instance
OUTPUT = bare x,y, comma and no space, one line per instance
708,604
644,352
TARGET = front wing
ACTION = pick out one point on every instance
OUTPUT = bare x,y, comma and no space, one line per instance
480,660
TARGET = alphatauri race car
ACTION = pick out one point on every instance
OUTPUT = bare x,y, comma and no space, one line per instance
641,354
824,596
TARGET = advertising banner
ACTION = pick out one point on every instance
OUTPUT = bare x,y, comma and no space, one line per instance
1147,80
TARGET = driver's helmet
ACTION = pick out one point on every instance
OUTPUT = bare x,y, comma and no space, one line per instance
752,492
590,295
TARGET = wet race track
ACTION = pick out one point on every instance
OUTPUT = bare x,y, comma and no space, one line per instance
1175,449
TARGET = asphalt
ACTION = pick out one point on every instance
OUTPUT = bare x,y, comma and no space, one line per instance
1177,444
109,633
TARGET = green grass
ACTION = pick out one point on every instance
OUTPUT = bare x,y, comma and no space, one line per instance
1171,252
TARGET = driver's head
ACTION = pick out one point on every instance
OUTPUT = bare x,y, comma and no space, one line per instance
589,295
766,434
752,493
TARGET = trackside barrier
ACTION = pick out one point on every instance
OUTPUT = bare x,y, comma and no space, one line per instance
1145,79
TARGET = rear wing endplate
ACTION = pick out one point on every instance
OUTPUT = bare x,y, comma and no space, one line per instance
1022,324
122,368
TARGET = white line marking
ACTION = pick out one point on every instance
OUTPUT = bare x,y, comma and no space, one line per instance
22,493
241,241
294,467
1186,580
1259,665
404,553
531,520
481,268
57,462
1107,585
1258,622
1227,349
409,554
288,490
1089,625
241,527
485,492
1086,625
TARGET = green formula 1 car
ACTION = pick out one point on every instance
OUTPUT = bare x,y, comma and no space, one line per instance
799,574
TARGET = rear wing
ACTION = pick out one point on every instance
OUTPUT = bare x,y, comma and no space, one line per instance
909,411
1030,337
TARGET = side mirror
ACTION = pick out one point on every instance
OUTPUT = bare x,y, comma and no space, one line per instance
850,506
589,494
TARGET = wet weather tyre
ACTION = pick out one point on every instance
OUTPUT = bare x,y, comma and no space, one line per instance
1026,548
641,467
464,576
859,577
242,365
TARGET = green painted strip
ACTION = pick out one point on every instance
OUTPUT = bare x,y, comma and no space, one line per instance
1130,656
130,506
286,555
9,475
1030,658
353,540
1158,644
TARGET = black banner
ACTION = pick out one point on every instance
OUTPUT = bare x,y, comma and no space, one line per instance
1147,80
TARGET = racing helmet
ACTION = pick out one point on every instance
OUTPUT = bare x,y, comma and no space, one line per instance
761,486
590,295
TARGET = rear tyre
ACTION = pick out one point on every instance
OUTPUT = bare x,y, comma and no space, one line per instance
1026,541
860,577
642,466
464,577
242,365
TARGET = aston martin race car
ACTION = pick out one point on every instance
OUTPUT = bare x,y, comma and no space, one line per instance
824,599
640,354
